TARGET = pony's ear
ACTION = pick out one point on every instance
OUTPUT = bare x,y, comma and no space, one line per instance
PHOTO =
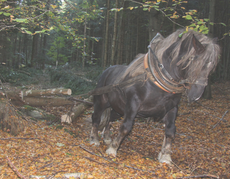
197,45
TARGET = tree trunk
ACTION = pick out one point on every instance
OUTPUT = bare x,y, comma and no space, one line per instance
106,35
154,23
137,36
34,49
14,51
114,35
84,53
19,55
3,46
25,49
121,34
43,51
207,92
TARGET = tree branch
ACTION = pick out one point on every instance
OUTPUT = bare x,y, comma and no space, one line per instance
15,169
220,119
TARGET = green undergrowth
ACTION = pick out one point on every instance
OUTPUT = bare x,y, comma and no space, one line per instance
68,76
74,77
19,77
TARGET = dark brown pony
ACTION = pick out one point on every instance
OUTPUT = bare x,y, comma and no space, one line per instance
171,66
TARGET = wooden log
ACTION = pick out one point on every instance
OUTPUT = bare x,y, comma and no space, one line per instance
14,97
76,111
42,101
34,97
46,92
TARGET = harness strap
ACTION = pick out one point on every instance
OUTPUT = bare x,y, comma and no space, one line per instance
110,88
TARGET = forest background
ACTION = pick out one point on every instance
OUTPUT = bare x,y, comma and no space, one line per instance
68,43
91,35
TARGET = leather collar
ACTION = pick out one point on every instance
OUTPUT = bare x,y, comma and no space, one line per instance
157,76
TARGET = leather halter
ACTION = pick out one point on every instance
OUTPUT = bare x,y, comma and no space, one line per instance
159,76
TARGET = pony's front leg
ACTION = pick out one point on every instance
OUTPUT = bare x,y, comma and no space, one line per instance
170,130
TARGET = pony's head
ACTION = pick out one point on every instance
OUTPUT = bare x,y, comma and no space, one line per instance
189,59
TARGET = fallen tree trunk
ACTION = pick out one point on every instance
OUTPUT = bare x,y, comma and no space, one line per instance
46,92
54,101
76,111
13,97
36,98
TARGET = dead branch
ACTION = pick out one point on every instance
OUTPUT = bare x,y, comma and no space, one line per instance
45,166
88,158
10,138
15,169
204,106
220,119
201,176
52,176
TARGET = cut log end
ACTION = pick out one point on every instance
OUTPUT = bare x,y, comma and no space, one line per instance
66,118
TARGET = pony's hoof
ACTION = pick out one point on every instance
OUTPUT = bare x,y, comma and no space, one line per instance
108,141
94,142
165,158
111,151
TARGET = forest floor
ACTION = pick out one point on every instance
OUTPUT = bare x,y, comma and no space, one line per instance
201,147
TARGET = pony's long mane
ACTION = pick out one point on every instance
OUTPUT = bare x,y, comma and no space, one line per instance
136,67
182,53
206,61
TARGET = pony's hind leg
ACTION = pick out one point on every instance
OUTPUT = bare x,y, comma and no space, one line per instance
100,104
125,128
113,116
106,136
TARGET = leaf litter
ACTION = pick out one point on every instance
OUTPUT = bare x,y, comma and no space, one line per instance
199,149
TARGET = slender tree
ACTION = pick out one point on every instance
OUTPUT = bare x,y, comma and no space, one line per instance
114,35
105,56
121,33
208,93
84,45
